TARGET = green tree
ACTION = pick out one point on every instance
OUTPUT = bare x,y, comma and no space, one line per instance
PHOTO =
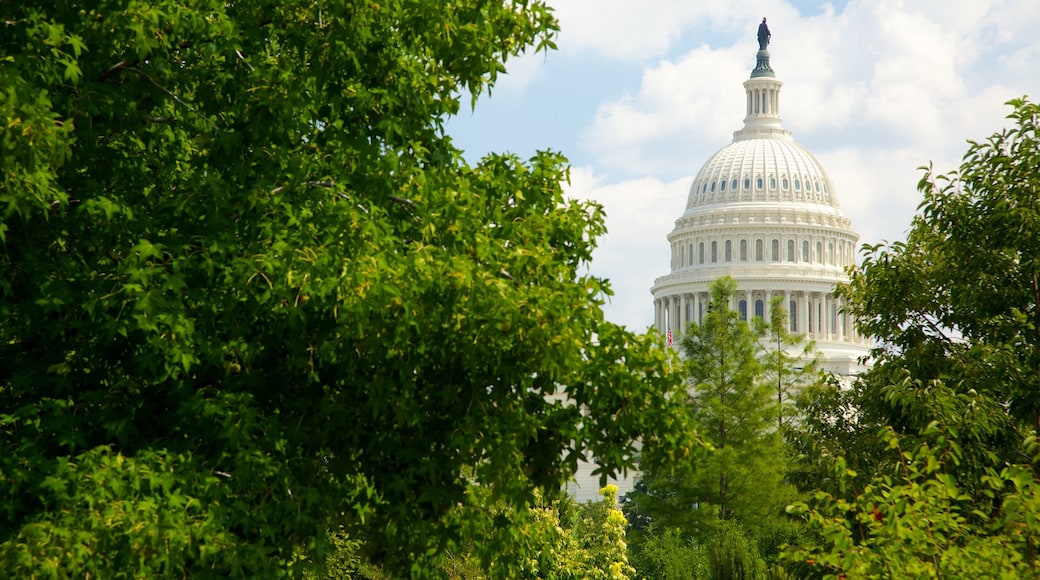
790,362
959,300
734,408
949,486
251,292
915,520
667,554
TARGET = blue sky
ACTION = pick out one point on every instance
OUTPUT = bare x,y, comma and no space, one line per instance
641,93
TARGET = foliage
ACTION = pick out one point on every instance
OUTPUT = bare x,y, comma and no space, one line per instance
790,362
917,521
568,542
959,300
251,292
601,538
927,467
668,554
727,551
731,554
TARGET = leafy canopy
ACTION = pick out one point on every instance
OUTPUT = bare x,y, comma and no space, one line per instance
251,292
930,464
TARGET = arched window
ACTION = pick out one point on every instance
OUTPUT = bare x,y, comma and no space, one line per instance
729,251
805,250
747,183
700,252
704,188
776,250
714,252
796,184
722,185
783,182
691,254
758,250
733,184
758,183
830,253
772,183
713,187
743,310
819,253
790,250
792,311
743,250
760,309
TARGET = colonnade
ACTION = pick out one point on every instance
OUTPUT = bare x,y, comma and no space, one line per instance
814,313
763,101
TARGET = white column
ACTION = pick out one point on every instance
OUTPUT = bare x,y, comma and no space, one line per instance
682,313
828,301
786,305
675,317
803,314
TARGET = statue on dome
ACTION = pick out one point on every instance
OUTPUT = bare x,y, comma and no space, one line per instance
763,35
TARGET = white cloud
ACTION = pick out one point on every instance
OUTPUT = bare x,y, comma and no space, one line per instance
638,215
639,31
623,29
679,104
522,71
875,88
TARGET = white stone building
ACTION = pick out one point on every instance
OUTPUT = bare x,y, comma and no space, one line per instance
763,211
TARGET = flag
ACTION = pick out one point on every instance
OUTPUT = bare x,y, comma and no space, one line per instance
669,337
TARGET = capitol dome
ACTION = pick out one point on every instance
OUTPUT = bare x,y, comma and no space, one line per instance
771,170
764,211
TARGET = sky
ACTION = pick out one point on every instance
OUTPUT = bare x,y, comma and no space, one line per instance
640,94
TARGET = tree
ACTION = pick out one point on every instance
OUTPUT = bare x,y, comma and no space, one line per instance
790,362
251,292
731,401
955,310
959,300
914,519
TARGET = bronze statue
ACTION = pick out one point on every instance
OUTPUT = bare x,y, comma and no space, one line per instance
763,35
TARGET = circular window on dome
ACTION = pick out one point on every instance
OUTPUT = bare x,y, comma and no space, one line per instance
758,183
796,184
772,183
747,183
722,185
784,182
713,187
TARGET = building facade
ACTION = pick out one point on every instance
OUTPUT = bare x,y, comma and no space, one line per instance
763,211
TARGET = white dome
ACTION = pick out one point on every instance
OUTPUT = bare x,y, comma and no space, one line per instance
771,169
763,211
